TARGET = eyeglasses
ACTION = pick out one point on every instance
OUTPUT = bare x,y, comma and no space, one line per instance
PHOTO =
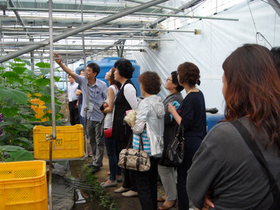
168,79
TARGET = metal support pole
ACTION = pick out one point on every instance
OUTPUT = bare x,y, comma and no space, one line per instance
52,99
85,63
82,28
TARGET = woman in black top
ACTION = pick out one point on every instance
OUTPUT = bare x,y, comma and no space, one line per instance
125,100
192,115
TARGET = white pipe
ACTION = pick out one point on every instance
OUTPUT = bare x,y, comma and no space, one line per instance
83,28
52,101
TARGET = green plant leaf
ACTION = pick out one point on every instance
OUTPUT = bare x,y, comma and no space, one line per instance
45,91
19,70
43,82
11,148
17,59
9,160
10,74
16,64
16,95
2,124
21,155
23,141
27,62
9,112
56,78
43,65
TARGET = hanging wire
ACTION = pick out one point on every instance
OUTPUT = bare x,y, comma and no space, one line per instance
252,16
258,34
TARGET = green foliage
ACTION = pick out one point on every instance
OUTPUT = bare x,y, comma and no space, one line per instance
15,154
18,86
104,199
20,156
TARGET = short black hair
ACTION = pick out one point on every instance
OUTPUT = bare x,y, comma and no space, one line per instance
94,67
125,68
174,77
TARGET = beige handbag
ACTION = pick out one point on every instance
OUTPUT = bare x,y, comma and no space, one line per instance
134,159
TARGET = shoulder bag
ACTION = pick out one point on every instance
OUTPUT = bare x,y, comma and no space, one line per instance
246,135
134,159
176,149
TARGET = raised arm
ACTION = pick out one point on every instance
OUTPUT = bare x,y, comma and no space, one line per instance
65,68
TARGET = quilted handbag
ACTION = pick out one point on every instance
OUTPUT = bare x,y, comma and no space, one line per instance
134,159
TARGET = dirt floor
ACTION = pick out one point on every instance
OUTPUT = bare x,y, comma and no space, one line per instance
122,202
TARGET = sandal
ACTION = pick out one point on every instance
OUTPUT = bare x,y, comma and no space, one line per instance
161,199
166,207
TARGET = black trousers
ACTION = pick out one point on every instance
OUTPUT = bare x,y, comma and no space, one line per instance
146,184
182,171
74,114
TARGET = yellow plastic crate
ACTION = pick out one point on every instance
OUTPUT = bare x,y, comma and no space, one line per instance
23,185
69,143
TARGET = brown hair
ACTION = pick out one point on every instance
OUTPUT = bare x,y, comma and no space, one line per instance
112,80
189,73
150,82
253,89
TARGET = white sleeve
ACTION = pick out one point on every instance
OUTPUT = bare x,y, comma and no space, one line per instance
130,95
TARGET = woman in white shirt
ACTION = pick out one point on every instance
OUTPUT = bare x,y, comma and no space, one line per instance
110,142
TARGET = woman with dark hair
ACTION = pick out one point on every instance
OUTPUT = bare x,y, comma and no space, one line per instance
150,123
276,53
224,168
167,172
191,114
125,100
110,142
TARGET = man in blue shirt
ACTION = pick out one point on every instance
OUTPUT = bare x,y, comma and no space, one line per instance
97,93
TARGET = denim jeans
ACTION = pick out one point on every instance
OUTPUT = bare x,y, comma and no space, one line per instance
113,157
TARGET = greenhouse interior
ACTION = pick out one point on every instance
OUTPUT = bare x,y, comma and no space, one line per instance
54,148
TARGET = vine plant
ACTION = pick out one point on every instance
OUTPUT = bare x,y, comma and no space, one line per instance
18,86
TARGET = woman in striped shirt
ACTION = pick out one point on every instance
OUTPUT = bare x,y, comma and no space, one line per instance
150,122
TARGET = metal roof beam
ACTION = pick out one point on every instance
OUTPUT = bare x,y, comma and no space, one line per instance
102,29
82,28
159,6
165,16
18,16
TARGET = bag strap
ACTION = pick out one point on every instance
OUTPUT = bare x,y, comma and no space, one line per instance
246,135
180,129
141,143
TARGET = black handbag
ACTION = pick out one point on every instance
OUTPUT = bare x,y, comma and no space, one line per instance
259,156
175,150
